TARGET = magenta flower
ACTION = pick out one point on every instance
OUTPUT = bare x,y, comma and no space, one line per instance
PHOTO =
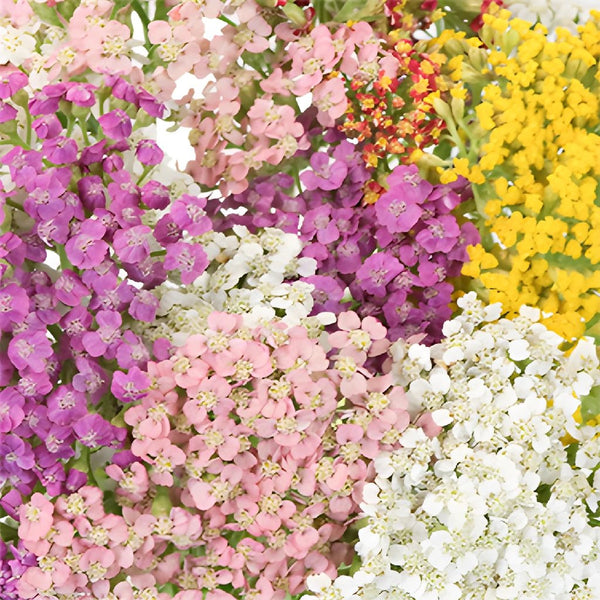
87,249
323,175
92,431
81,94
30,349
69,288
376,272
143,306
132,245
11,409
131,386
188,213
148,152
7,112
439,235
17,456
155,195
318,221
14,306
116,124
60,150
13,82
397,213
66,405
189,259
91,192
106,336
47,126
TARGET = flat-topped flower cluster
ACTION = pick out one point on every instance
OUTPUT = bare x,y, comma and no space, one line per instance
496,504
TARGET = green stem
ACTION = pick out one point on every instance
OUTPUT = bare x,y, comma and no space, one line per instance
65,263
83,127
226,20
147,169
141,13
13,204
28,128
297,180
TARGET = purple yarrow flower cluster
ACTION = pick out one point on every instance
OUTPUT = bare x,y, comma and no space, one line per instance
395,256
67,331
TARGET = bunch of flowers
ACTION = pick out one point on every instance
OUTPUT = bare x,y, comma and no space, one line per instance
214,384
69,200
393,258
249,453
495,504
247,274
529,151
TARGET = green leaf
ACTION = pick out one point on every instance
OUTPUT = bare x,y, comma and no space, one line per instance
46,13
67,8
543,493
590,404
161,11
359,10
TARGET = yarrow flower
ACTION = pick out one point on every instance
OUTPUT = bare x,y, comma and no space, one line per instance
391,259
248,447
493,504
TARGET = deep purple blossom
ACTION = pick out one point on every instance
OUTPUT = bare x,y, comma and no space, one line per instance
91,191
167,231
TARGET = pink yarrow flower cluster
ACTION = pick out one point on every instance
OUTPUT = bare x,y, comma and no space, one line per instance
250,450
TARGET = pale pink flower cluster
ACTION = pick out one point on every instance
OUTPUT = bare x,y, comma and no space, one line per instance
229,76
80,549
253,445
269,132
93,40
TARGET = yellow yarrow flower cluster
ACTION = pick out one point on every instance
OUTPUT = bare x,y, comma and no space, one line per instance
531,148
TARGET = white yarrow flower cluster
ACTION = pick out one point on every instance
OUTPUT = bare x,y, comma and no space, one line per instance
247,274
553,13
495,507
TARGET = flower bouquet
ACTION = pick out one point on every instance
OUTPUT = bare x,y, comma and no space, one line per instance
299,299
